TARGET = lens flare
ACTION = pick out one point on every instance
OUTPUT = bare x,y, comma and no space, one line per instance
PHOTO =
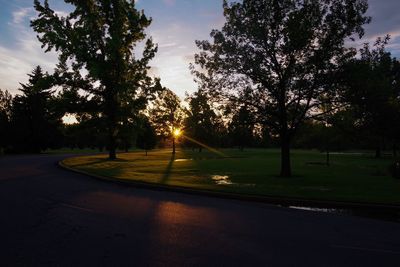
213,150
177,132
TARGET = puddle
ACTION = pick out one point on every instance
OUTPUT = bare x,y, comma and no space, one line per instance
225,180
222,179
318,209
182,160
391,215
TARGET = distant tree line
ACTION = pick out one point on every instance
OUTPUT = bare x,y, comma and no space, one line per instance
368,117
277,74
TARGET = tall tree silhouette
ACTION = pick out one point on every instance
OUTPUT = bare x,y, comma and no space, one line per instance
100,36
5,116
241,127
201,122
35,118
285,52
373,86
147,138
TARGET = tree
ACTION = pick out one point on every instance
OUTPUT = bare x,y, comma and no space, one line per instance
100,36
284,53
147,138
128,134
167,115
5,116
201,122
241,127
373,86
87,133
35,118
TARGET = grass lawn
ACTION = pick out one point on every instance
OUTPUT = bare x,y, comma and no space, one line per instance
71,151
67,150
351,177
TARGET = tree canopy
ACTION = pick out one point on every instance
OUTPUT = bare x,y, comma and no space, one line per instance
5,117
166,114
100,37
35,117
201,122
280,58
147,138
372,93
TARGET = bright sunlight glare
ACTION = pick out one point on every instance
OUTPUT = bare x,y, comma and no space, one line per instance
177,132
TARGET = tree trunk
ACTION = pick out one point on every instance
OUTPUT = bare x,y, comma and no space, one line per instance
111,113
286,170
112,154
112,144
173,145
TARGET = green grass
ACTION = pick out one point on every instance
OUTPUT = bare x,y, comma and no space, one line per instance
351,177
71,151
67,150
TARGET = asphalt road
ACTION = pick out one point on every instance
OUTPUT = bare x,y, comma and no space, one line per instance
52,217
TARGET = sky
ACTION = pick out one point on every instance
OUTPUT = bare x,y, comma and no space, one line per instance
176,25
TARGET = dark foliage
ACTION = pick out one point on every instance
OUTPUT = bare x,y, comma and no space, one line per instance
5,120
372,92
279,58
202,122
166,115
100,36
35,119
147,138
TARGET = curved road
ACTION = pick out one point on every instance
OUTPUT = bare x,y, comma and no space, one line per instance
52,217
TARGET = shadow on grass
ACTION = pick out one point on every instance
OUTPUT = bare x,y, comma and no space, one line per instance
167,172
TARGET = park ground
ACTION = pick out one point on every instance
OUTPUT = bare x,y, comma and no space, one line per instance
352,177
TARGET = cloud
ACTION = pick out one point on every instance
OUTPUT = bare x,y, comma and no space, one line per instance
154,71
385,20
14,66
169,2
174,36
61,13
174,73
176,49
21,14
26,53
164,45
188,58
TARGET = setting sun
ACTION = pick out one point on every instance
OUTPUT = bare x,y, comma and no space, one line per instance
177,132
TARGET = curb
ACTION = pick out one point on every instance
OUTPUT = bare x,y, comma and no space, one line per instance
274,200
